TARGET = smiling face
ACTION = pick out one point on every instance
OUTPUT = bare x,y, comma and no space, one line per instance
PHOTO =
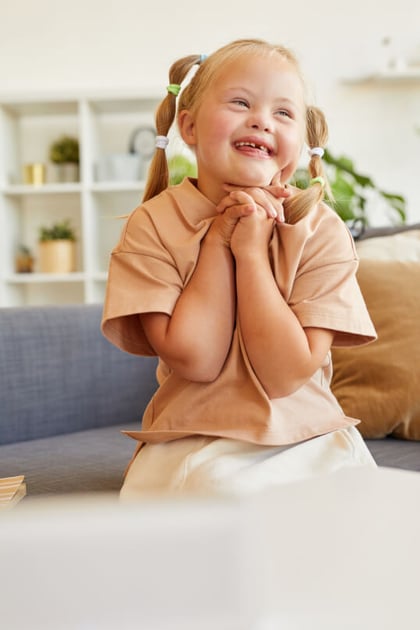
250,124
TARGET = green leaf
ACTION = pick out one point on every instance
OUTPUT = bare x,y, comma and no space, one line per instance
180,167
347,186
58,231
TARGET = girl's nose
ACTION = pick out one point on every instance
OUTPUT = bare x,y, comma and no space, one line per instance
260,121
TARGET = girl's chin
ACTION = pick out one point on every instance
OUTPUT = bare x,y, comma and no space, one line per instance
257,181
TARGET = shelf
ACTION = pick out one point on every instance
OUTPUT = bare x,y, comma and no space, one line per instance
100,276
105,187
408,75
127,105
51,107
103,124
47,278
19,190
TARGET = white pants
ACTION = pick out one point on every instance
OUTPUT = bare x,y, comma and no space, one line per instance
208,465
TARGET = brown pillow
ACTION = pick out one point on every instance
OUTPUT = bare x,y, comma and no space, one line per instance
379,383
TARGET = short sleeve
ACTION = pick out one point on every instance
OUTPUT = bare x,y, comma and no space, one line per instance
142,278
325,292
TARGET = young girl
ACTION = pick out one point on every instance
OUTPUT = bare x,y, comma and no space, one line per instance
240,284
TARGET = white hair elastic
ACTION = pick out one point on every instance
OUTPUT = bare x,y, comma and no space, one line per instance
161,142
319,151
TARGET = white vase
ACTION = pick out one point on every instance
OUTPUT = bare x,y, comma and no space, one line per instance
119,167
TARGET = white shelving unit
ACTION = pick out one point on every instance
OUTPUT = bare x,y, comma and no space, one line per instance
103,124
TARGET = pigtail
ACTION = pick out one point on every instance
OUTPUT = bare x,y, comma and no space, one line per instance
158,175
299,205
317,135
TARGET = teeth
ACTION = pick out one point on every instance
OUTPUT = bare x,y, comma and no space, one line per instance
253,145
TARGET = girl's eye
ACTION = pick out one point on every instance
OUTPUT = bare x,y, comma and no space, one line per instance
240,101
284,112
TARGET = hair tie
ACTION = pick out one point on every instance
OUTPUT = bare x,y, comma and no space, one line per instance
317,180
161,142
174,88
319,151
203,57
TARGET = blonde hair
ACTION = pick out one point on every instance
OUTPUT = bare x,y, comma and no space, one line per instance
296,206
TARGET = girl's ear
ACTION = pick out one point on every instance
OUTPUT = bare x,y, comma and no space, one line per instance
186,126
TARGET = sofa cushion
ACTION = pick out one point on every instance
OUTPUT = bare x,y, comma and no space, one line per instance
379,383
95,460
85,461
58,374
400,246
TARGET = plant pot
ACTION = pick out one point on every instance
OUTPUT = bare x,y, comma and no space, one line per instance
66,172
24,263
57,256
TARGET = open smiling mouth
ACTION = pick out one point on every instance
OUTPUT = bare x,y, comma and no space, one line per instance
254,145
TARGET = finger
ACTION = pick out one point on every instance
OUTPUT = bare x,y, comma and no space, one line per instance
263,200
225,203
231,187
239,210
277,189
276,181
280,218
279,192
235,198
273,206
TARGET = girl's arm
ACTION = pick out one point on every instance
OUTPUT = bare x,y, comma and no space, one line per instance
194,341
283,354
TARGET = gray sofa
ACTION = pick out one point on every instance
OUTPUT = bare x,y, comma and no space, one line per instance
66,393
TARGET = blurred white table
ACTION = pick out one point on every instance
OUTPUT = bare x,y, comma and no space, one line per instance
344,552
334,553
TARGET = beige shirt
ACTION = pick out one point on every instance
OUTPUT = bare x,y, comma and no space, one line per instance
314,262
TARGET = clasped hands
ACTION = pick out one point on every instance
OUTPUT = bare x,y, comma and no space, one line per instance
248,214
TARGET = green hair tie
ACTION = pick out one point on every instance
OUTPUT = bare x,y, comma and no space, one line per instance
317,180
174,88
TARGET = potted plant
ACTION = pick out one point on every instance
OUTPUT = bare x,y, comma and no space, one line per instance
24,260
352,192
57,248
64,154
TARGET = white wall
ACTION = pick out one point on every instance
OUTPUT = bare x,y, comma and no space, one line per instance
52,45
